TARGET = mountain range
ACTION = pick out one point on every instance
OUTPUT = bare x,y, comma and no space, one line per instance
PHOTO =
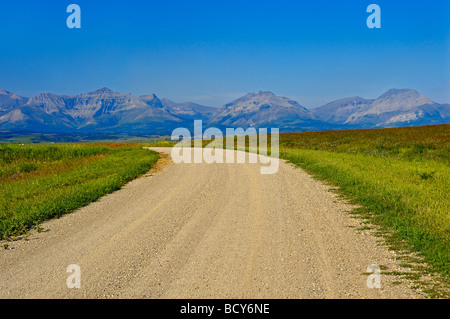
107,111
393,108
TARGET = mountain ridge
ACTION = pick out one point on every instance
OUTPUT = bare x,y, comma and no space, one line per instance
396,107
105,110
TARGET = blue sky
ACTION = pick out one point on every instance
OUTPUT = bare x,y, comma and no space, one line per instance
212,52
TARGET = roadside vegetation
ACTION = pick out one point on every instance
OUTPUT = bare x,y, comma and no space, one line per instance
40,182
399,177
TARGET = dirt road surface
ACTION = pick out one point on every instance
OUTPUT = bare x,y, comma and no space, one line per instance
205,231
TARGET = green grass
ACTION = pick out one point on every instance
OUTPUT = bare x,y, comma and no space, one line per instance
40,182
406,143
400,177
395,194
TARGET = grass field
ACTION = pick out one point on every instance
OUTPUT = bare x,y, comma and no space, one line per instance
399,176
40,182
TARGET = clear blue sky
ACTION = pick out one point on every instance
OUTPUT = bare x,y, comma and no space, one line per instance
213,51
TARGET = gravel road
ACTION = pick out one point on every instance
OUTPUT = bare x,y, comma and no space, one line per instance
205,231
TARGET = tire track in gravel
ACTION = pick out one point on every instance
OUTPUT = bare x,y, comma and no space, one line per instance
204,231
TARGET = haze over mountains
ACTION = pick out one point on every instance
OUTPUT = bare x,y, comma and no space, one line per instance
107,111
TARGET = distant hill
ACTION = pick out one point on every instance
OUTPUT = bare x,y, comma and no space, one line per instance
9,101
185,111
403,107
339,111
265,109
101,110
109,112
